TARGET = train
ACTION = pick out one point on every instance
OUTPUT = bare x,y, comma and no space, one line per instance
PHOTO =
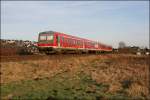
57,42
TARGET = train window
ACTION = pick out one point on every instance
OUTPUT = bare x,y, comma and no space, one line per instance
67,40
58,39
71,42
62,39
50,37
42,37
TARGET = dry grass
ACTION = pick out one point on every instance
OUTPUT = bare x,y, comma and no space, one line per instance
127,73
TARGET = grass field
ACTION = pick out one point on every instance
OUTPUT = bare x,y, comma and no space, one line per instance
93,77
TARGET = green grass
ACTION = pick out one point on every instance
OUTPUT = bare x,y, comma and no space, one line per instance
60,87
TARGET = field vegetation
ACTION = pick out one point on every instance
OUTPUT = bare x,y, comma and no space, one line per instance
86,77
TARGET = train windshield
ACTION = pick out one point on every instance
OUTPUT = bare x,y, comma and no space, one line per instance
42,37
46,37
50,37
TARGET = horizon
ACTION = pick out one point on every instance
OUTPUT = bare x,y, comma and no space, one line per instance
104,21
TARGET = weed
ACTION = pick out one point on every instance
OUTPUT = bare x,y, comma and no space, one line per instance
126,83
102,87
34,64
118,97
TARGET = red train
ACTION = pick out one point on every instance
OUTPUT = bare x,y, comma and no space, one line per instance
52,42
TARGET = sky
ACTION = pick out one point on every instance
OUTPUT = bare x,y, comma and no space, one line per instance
108,22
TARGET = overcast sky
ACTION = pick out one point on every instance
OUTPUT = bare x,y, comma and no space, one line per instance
106,21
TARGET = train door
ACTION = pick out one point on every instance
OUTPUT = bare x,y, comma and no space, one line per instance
58,41
83,45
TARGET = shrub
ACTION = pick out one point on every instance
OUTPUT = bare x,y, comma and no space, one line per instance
24,51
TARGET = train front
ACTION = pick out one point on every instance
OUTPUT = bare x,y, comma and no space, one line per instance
46,42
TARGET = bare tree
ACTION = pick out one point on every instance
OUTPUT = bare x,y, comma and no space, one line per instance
122,44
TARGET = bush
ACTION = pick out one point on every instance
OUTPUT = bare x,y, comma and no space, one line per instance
126,83
24,51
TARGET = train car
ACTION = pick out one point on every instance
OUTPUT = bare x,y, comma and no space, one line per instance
52,42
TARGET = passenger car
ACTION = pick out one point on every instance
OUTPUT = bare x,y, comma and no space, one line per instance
52,42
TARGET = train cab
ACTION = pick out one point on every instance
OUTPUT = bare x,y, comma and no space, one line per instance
46,41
